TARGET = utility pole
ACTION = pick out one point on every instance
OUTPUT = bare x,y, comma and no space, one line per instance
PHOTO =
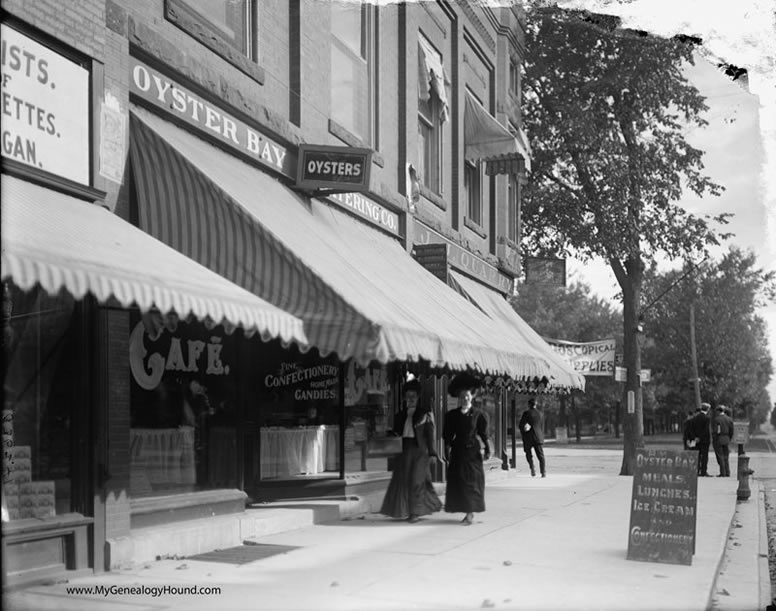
694,358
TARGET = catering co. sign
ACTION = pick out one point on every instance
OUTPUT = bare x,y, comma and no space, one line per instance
45,108
588,358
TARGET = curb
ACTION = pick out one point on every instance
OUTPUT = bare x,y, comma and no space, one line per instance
712,601
767,597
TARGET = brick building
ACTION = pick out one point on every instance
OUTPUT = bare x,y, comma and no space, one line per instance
235,228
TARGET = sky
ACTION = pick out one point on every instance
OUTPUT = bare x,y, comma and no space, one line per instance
740,140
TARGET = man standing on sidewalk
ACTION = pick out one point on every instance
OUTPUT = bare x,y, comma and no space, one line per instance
701,429
721,434
688,436
533,436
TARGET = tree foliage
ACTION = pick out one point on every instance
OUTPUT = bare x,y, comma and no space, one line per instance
574,314
734,363
605,111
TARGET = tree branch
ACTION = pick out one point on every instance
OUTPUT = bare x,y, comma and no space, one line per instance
562,183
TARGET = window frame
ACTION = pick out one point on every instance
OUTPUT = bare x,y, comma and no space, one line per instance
430,148
513,212
367,55
473,191
514,77
198,26
431,178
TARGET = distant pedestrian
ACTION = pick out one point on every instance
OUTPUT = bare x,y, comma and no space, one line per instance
531,431
465,434
410,493
721,434
701,430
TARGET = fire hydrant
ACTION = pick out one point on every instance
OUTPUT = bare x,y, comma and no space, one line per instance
744,492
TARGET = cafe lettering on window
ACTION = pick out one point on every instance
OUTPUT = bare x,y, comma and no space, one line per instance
361,382
45,108
149,359
315,383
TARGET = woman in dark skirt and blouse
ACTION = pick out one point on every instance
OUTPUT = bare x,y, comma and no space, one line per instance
465,433
411,493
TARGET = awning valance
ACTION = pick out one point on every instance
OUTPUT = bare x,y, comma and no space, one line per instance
519,332
361,295
59,242
432,77
486,139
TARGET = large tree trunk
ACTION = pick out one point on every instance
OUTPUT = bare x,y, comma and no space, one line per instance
633,421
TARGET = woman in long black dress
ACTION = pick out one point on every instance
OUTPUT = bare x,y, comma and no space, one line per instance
465,433
411,493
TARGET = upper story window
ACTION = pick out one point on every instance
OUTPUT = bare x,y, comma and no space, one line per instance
353,36
472,182
227,20
514,77
513,209
432,113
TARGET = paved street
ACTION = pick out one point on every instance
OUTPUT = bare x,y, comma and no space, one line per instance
555,543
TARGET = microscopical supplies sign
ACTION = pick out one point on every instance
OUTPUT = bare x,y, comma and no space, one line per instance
45,108
587,358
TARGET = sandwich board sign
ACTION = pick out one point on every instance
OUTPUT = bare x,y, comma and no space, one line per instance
663,507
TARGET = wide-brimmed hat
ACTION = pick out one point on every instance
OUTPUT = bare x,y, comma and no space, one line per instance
461,382
412,385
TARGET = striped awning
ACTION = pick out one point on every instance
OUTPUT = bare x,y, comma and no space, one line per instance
361,295
519,332
486,139
60,242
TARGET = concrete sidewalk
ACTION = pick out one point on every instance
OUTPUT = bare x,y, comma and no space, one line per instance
554,543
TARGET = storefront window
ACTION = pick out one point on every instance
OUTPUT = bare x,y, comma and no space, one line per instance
369,418
182,406
40,396
295,405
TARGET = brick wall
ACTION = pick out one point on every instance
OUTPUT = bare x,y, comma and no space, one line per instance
78,23
116,342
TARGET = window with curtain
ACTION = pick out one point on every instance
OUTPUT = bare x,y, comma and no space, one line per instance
429,144
352,72
183,416
229,20
432,112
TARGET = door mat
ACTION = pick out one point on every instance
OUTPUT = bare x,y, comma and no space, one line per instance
243,554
